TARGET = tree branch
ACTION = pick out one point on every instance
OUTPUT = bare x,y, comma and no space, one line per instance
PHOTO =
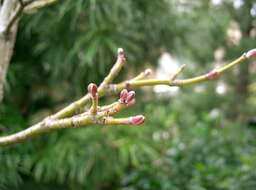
34,5
6,41
6,11
14,17
15,14
103,115
10,12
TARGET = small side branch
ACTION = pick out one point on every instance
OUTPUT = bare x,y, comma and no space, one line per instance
115,69
182,67
143,75
96,115
213,74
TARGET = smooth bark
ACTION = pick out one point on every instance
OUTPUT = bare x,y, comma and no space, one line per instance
7,41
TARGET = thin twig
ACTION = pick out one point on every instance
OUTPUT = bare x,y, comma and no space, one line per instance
142,75
115,69
180,69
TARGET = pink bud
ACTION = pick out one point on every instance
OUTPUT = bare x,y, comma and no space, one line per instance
120,51
213,74
251,53
130,97
137,120
123,95
148,72
121,55
92,89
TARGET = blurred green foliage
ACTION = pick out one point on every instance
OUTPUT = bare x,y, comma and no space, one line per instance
182,145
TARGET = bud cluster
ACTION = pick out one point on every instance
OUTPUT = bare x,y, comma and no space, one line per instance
127,97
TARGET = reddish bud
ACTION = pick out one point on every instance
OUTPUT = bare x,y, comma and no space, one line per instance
213,74
148,72
137,120
130,97
123,95
92,89
120,53
251,53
